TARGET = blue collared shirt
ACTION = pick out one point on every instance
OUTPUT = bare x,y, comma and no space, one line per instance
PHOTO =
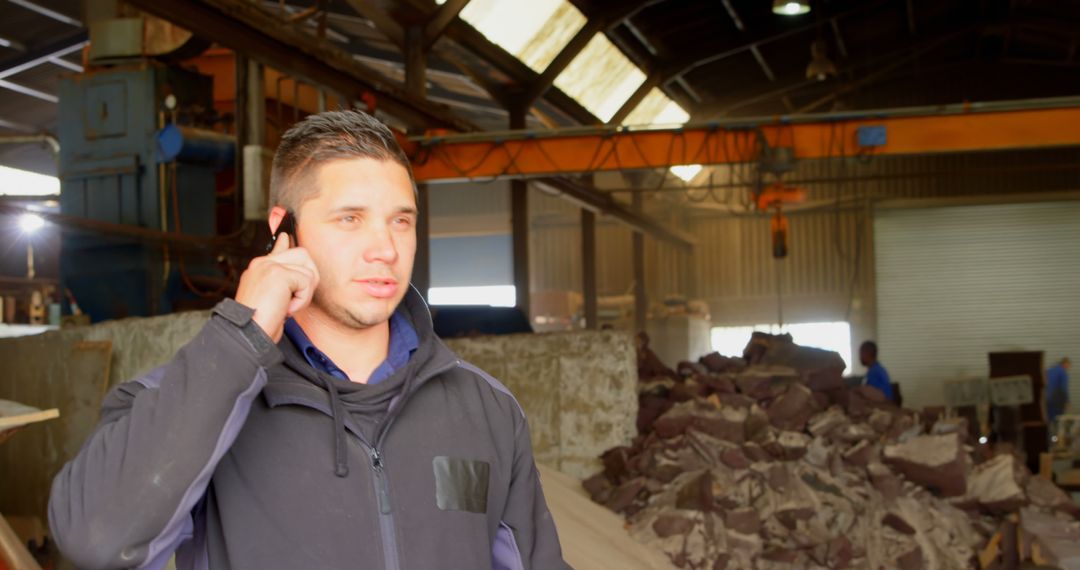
1057,391
403,342
878,377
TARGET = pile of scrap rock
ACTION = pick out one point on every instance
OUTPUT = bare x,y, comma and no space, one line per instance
770,461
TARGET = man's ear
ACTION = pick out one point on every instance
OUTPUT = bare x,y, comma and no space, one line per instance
277,213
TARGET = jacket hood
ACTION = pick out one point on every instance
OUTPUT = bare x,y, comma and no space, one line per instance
297,382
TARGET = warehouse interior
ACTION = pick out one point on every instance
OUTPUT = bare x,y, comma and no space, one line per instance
667,226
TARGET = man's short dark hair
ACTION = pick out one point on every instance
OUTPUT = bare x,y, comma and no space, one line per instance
870,347
321,138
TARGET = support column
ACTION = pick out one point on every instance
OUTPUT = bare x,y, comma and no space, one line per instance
255,185
416,84
240,129
588,268
519,221
641,302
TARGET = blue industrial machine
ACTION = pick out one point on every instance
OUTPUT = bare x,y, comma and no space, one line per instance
132,152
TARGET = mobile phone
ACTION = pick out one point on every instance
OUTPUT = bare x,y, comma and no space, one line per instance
287,227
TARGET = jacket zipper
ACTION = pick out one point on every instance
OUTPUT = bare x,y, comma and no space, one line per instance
386,517
382,487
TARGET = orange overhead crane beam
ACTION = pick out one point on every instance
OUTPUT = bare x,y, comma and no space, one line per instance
587,149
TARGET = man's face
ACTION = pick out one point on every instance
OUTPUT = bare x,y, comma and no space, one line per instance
864,357
360,230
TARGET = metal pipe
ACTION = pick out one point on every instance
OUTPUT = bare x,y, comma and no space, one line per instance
48,139
186,241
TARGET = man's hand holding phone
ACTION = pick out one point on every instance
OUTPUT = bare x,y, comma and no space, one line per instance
278,284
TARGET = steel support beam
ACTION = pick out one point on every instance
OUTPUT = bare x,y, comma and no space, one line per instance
11,44
639,95
588,268
43,54
566,55
249,29
962,128
442,17
52,14
416,85
519,227
382,21
28,91
15,126
603,203
641,301
475,42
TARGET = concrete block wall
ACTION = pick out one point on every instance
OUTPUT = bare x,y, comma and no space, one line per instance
577,390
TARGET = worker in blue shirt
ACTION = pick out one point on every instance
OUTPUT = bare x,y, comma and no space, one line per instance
876,375
1057,390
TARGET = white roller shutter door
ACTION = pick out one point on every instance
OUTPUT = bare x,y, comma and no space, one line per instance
955,283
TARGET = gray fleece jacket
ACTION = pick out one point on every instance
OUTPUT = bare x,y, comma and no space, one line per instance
239,454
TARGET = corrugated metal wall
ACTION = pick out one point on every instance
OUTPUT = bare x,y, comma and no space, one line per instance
998,277
822,276
829,272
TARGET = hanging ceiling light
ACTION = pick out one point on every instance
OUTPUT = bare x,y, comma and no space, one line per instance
791,7
821,67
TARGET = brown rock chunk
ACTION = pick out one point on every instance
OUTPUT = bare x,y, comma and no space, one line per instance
818,453
792,409
881,420
998,484
783,555
615,460
651,407
691,369
726,423
765,383
911,560
734,458
936,462
1043,493
715,362
853,433
757,427
744,520
824,423
597,485
696,493
754,452
793,444
676,420
863,399
897,523
626,494
719,384
886,483
840,553
685,391
860,454
672,524
825,379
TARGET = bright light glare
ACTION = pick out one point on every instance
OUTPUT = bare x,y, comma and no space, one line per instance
25,183
686,172
983,440
493,296
790,8
30,223
835,336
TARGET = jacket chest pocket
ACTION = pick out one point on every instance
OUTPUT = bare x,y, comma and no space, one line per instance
461,484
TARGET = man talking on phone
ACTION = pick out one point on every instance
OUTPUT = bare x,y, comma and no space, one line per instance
315,421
